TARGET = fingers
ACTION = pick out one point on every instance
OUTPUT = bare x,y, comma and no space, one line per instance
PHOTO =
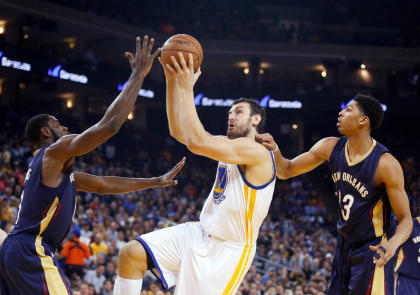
182,60
138,47
176,64
381,256
191,63
145,41
129,56
150,46
157,51
178,167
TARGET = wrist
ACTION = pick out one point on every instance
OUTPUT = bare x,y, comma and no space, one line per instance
137,74
276,149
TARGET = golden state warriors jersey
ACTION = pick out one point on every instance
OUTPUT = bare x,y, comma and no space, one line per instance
235,209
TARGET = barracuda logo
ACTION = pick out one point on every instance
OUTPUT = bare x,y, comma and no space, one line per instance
143,92
265,102
14,64
62,74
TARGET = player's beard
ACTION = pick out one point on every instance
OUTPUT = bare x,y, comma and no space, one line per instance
55,135
240,131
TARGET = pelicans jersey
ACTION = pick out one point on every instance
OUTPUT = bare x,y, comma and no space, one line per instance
364,220
407,269
213,255
27,263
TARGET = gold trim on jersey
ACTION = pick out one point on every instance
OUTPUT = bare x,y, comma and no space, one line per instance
418,219
378,283
250,197
378,219
346,152
54,280
46,221
400,259
36,152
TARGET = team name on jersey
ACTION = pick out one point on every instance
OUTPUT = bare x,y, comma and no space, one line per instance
416,240
347,177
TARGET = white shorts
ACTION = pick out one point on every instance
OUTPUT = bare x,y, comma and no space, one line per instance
197,263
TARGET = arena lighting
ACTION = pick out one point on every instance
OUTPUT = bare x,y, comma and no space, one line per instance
295,126
266,102
246,71
69,103
130,116
261,71
14,64
343,105
143,92
62,74
324,74
2,26
363,66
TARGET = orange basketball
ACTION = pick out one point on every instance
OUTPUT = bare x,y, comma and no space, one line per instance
185,44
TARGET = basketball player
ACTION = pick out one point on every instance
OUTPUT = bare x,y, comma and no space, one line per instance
211,256
48,201
369,183
407,269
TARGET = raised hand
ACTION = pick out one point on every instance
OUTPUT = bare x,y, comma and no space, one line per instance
142,62
183,74
168,178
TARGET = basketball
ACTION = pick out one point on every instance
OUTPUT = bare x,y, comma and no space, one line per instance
185,44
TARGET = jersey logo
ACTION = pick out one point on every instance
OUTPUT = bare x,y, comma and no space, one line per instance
221,184
72,177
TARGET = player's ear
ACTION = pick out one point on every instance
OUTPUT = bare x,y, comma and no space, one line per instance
256,119
364,121
45,132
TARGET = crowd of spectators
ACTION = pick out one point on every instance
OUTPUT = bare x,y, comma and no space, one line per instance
295,245
343,22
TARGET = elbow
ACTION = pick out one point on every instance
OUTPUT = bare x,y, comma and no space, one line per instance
193,145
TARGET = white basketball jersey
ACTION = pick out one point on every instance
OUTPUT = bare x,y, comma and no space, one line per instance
235,209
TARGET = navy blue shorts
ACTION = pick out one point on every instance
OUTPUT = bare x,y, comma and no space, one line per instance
27,266
406,285
354,273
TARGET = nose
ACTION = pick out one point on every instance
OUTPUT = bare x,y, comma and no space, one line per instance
341,113
66,129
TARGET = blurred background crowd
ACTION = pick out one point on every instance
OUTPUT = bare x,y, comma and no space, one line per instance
296,242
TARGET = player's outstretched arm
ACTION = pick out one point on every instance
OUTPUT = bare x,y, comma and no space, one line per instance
389,172
173,105
303,163
120,185
117,113
187,127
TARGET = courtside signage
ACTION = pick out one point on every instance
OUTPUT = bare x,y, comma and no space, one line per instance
59,72
143,92
14,64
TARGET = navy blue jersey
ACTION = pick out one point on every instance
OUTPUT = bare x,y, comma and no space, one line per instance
365,211
44,211
408,261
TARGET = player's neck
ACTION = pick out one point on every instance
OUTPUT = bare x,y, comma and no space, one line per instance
359,144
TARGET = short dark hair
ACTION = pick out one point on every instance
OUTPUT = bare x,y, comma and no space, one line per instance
255,109
372,108
34,126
